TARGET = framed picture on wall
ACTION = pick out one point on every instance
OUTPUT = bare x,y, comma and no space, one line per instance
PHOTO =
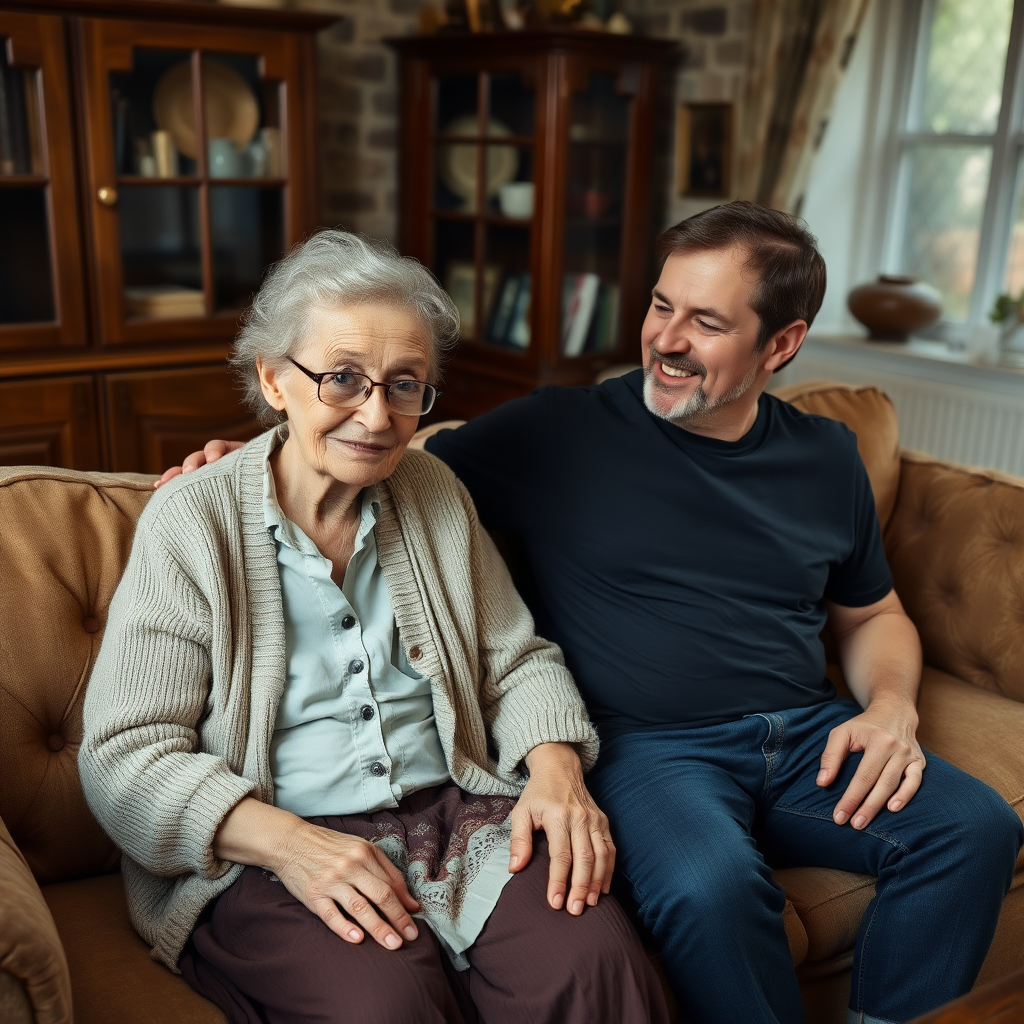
704,149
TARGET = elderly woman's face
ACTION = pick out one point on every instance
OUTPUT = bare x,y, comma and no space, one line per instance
359,445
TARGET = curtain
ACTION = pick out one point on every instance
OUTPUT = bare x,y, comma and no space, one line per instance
798,52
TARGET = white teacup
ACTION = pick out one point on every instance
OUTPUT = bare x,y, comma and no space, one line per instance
224,160
516,199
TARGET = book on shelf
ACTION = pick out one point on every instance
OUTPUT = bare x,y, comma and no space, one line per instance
518,335
15,141
504,308
578,304
164,302
604,335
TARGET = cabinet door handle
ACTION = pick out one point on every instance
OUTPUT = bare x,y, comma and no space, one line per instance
107,195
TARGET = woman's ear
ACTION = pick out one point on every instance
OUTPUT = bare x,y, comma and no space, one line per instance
271,385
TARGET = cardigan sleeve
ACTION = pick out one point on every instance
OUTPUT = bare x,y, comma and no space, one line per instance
158,796
527,694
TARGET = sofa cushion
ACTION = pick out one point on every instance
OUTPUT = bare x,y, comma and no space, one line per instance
64,541
868,412
113,977
956,548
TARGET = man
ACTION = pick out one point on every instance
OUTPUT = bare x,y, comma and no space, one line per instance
689,536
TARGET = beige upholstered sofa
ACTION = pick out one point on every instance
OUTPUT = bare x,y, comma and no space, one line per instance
955,540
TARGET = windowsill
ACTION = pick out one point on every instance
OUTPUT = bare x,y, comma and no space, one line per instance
931,360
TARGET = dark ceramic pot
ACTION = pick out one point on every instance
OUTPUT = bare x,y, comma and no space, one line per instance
895,306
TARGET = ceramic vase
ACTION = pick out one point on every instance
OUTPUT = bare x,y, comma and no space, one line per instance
895,306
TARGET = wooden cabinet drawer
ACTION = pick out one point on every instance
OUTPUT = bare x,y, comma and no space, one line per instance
155,419
49,422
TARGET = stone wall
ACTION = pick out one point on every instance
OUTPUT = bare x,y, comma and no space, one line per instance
359,82
713,41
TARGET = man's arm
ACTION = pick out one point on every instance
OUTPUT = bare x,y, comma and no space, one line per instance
880,655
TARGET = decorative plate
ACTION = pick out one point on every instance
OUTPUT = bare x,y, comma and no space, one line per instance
456,162
230,107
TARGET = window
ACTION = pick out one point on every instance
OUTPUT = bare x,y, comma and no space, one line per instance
957,209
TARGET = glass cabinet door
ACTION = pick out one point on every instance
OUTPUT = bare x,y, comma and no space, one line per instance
191,178
595,189
483,202
41,302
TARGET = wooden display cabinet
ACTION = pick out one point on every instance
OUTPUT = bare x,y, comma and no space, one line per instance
155,157
526,185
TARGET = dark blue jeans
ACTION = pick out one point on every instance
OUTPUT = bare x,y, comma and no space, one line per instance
696,813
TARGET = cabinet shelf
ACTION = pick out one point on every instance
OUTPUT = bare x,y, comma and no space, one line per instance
23,180
192,180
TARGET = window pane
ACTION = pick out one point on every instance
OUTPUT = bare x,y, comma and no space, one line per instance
963,81
247,235
1014,283
26,290
946,197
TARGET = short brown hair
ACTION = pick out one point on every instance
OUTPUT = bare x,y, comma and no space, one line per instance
791,272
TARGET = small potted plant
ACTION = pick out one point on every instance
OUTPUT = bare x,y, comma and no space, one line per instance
1008,313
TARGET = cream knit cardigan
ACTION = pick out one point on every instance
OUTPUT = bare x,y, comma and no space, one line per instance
181,704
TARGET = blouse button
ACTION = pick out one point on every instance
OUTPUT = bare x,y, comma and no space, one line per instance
367,712
415,654
378,769
355,667
348,622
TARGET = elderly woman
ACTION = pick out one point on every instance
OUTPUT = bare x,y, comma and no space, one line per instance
320,720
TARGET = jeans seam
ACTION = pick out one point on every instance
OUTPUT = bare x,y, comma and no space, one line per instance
777,725
864,943
884,836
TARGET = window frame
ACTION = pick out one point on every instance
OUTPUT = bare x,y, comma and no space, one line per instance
1006,144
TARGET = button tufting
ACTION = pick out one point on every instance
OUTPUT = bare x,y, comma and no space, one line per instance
55,742
415,654
91,624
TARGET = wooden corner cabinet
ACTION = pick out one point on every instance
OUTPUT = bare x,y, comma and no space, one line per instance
155,157
525,185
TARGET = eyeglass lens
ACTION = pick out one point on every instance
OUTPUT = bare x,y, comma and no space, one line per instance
409,397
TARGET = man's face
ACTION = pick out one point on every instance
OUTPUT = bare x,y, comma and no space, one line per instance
698,339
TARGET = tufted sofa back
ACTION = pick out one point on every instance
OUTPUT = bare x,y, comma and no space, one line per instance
955,545
64,541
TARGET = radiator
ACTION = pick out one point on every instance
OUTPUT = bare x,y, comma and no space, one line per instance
960,423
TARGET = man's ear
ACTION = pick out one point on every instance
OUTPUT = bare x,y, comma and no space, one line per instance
270,383
784,345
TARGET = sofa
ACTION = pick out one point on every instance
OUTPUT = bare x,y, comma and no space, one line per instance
955,542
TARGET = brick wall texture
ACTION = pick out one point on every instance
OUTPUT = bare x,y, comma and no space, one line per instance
359,82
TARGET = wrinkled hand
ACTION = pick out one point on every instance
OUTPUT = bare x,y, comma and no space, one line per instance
579,841
325,870
890,770
211,453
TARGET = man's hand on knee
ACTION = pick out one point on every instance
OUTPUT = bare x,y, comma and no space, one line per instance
890,771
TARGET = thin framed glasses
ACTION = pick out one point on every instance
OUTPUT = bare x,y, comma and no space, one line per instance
345,389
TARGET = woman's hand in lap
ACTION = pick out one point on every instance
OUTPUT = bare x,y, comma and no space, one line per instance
579,841
323,870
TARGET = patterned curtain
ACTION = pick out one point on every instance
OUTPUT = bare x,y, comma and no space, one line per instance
798,52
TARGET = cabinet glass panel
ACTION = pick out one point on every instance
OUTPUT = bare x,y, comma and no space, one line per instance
26,284
595,190
454,263
507,286
153,115
161,251
457,166
510,103
247,235
457,97
510,188
21,146
242,115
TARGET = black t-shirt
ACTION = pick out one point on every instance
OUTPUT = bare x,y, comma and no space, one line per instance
684,577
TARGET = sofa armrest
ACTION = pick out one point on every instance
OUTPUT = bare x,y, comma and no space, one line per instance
33,968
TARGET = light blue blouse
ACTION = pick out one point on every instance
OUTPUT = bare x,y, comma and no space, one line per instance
355,729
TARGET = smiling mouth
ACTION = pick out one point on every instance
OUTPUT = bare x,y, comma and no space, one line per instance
679,372
363,446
